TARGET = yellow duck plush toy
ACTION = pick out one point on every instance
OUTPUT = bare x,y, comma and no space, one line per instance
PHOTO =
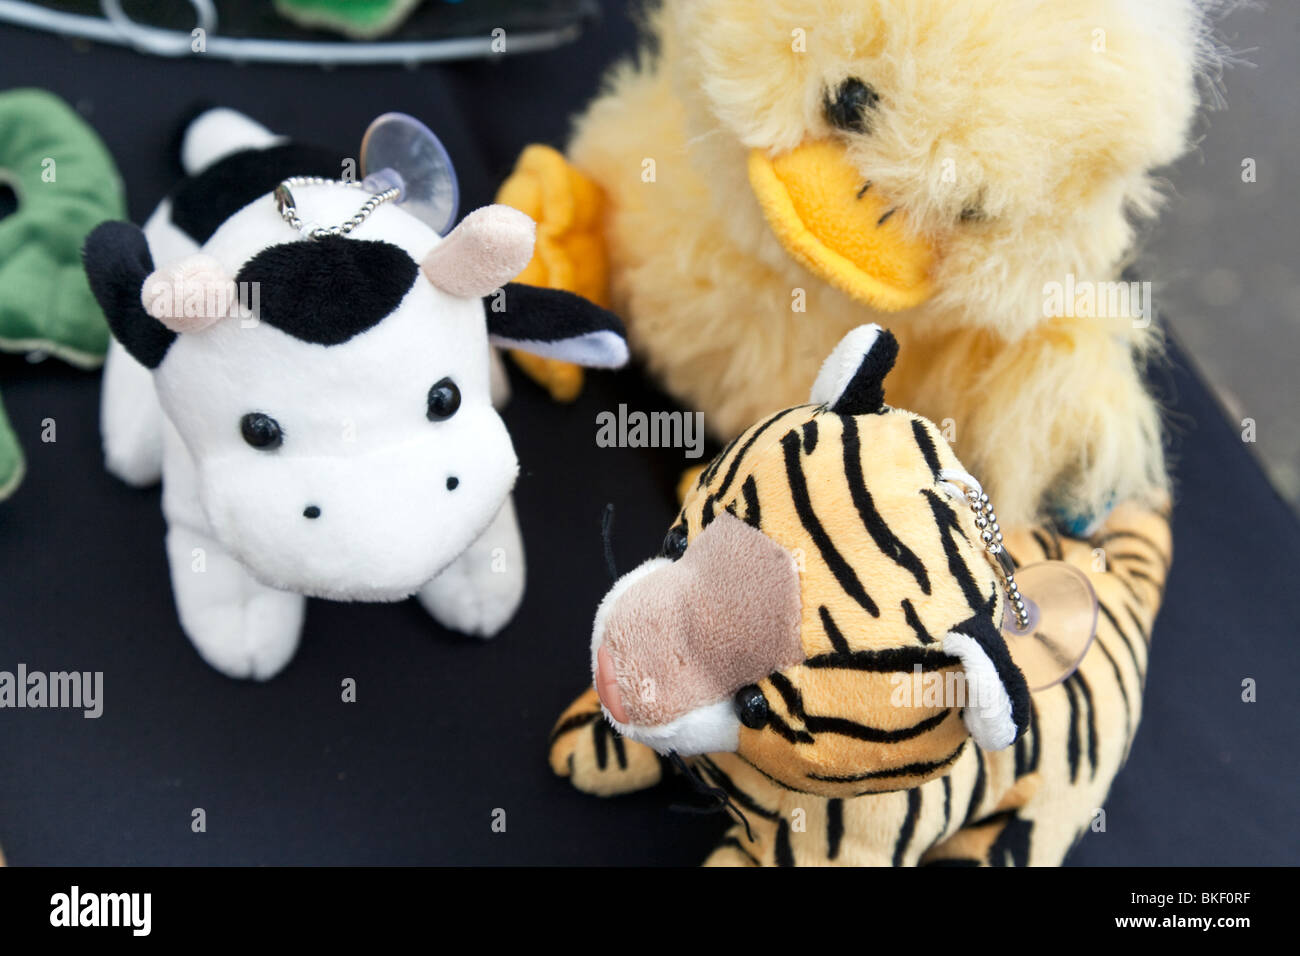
769,174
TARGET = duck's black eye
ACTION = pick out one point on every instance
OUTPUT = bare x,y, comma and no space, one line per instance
849,106
973,213
261,431
444,399
751,707
674,543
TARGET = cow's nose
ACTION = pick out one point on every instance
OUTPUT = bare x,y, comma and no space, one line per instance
311,511
607,686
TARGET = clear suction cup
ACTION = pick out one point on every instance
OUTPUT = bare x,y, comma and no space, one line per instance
1062,610
400,150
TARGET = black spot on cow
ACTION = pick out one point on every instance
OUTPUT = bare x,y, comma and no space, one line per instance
327,290
202,203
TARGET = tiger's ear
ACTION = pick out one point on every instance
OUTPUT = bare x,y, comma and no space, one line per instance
997,696
852,379
118,262
555,324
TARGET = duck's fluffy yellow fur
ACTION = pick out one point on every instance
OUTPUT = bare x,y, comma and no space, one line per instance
1046,116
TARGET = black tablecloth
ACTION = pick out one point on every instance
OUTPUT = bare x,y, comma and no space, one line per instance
448,730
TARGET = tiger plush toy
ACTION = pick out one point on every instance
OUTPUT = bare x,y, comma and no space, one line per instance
833,558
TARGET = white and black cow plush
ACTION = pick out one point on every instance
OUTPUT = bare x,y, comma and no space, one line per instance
331,431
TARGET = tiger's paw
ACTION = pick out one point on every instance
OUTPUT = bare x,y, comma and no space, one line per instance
595,758
570,250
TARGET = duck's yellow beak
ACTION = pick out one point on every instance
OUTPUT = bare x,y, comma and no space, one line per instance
839,227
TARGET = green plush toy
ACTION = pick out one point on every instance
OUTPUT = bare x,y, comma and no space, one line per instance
64,183
359,19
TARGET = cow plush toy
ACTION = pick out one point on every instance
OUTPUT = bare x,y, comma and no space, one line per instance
310,371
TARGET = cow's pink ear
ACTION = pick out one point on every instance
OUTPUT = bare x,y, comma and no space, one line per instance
490,247
189,295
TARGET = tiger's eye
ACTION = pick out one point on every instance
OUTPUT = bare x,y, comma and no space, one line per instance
751,707
444,399
674,543
261,431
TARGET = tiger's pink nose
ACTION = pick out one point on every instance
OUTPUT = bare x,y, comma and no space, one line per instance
607,686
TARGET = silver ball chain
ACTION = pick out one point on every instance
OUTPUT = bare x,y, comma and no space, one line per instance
284,202
987,522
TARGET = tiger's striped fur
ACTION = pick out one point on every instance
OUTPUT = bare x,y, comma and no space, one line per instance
840,773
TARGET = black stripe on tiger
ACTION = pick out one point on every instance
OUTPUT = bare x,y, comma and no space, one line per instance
784,855
921,768
885,661
572,723
1072,741
1142,631
789,693
599,734
815,724
926,444
977,793
744,449
909,825
706,513
840,568
833,633
1132,653
810,436
834,826
851,728
1102,540
1123,691
749,491
914,622
1086,693
946,520
888,542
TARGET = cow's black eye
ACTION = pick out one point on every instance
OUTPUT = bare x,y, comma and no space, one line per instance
261,431
444,399
674,543
751,707
849,106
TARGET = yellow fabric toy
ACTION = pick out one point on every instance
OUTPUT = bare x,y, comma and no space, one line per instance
769,174
820,641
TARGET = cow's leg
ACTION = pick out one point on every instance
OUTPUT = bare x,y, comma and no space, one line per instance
480,591
239,626
130,419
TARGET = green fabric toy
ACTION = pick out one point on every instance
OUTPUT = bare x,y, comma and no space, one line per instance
65,183
359,19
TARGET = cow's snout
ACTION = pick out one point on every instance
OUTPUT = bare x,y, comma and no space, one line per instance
675,637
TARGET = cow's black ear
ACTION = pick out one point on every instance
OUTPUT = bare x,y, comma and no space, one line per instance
852,379
117,263
555,324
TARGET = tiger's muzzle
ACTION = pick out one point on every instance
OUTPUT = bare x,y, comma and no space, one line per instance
675,640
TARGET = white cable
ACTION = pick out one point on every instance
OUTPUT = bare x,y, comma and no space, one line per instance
324,53
160,42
